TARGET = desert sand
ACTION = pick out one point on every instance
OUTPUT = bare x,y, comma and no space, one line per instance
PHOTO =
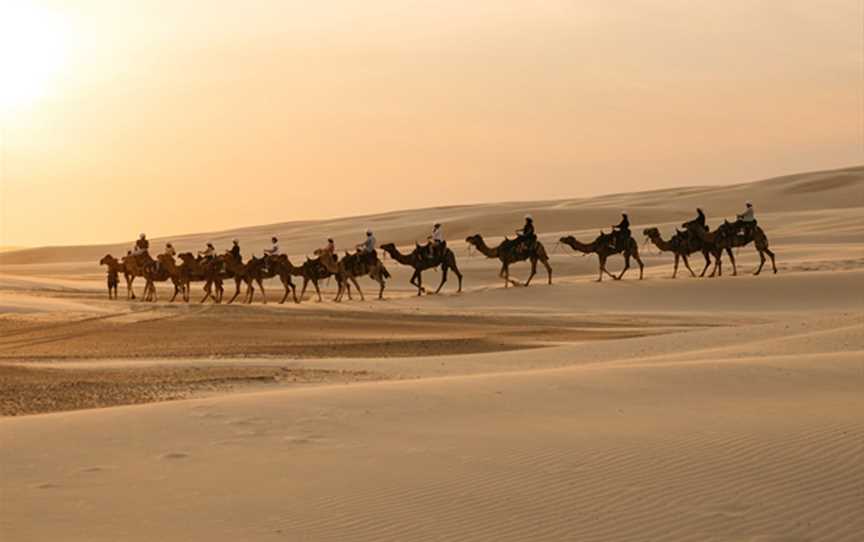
726,409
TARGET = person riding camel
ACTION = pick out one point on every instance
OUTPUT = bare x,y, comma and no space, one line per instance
142,245
699,220
746,221
621,232
526,237
435,242
169,250
367,247
274,247
235,251
329,250
208,253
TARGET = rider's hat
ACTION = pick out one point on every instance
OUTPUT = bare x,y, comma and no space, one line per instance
141,236
209,244
368,231
748,203
529,217
235,241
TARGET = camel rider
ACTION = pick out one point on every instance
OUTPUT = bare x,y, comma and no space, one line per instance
527,236
274,247
169,250
435,241
209,252
699,220
142,245
621,232
367,247
329,249
747,220
235,250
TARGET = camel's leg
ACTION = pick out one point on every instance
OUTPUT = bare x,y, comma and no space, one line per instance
303,289
444,269
287,291
641,265
771,255
761,263
687,265
732,259
208,291
533,271
357,285
381,284
176,291
458,273
675,267
237,281
263,294
603,269
317,290
548,267
718,264
707,263
626,266
417,281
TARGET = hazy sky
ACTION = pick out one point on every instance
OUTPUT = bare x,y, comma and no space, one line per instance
184,116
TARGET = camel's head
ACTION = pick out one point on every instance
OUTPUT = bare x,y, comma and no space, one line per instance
387,247
107,260
475,239
651,233
567,239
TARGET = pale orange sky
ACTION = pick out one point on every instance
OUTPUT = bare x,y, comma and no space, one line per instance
170,117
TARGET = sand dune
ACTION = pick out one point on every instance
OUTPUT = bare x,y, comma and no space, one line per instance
840,190
726,409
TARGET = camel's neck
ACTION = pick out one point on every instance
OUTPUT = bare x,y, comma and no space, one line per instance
484,249
575,244
398,256
661,243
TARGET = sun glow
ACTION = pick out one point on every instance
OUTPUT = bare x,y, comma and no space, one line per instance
33,53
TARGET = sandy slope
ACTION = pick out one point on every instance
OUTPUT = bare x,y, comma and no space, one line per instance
729,409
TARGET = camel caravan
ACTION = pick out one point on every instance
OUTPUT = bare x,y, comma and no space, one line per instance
214,270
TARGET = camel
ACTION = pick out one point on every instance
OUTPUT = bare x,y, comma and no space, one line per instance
115,268
197,269
602,246
726,238
419,260
356,265
508,252
312,270
682,245
158,273
179,274
135,266
240,272
272,266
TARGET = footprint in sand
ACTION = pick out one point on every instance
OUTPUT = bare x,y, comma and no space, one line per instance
94,469
174,455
